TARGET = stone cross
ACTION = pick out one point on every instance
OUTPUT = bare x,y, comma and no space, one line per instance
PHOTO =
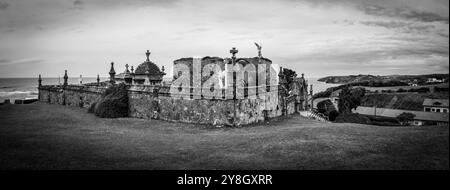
98,79
233,51
147,54
132,69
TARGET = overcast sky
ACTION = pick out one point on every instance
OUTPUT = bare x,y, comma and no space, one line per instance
315,37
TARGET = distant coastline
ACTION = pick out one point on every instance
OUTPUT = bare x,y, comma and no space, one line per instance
387,80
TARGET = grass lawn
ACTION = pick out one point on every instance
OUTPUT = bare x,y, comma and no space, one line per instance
42,136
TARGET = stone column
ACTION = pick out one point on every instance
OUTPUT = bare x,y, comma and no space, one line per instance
39,86
112,73
39,81
312,99
65,78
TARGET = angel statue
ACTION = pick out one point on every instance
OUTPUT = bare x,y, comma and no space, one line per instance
259,49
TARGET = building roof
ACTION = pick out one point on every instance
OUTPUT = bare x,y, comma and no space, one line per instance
148,67
420,115
435,102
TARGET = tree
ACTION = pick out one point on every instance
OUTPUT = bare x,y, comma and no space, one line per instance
350,98
405,117
113,102
290,75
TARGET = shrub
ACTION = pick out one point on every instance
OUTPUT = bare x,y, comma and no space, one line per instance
401,90
350,99
333,115
113,103
405,117
352,118
92,108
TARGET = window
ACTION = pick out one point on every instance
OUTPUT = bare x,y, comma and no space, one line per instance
438,110
433,110
427,109
445,110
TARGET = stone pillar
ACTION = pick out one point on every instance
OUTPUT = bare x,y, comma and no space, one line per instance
312,99
39,81
98,80
39,86
65,78
233,52
81,79
112,74
128,79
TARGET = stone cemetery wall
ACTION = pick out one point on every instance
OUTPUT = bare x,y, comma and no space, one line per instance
71,95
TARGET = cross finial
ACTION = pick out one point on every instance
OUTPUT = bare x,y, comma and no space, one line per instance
147,54
233,51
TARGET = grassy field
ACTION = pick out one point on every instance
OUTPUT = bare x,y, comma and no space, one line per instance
41,136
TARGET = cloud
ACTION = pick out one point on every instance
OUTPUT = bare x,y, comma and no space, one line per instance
407,27
403,13
28,61
3,5
78,4
312,36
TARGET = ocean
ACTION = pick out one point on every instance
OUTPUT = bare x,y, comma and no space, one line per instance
20,88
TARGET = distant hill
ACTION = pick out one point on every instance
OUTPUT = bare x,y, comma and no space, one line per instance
388,80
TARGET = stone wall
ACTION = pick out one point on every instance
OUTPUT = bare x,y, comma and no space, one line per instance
156,102
71,95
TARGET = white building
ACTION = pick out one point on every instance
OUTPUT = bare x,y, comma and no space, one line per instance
421,118
435,105
434,80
